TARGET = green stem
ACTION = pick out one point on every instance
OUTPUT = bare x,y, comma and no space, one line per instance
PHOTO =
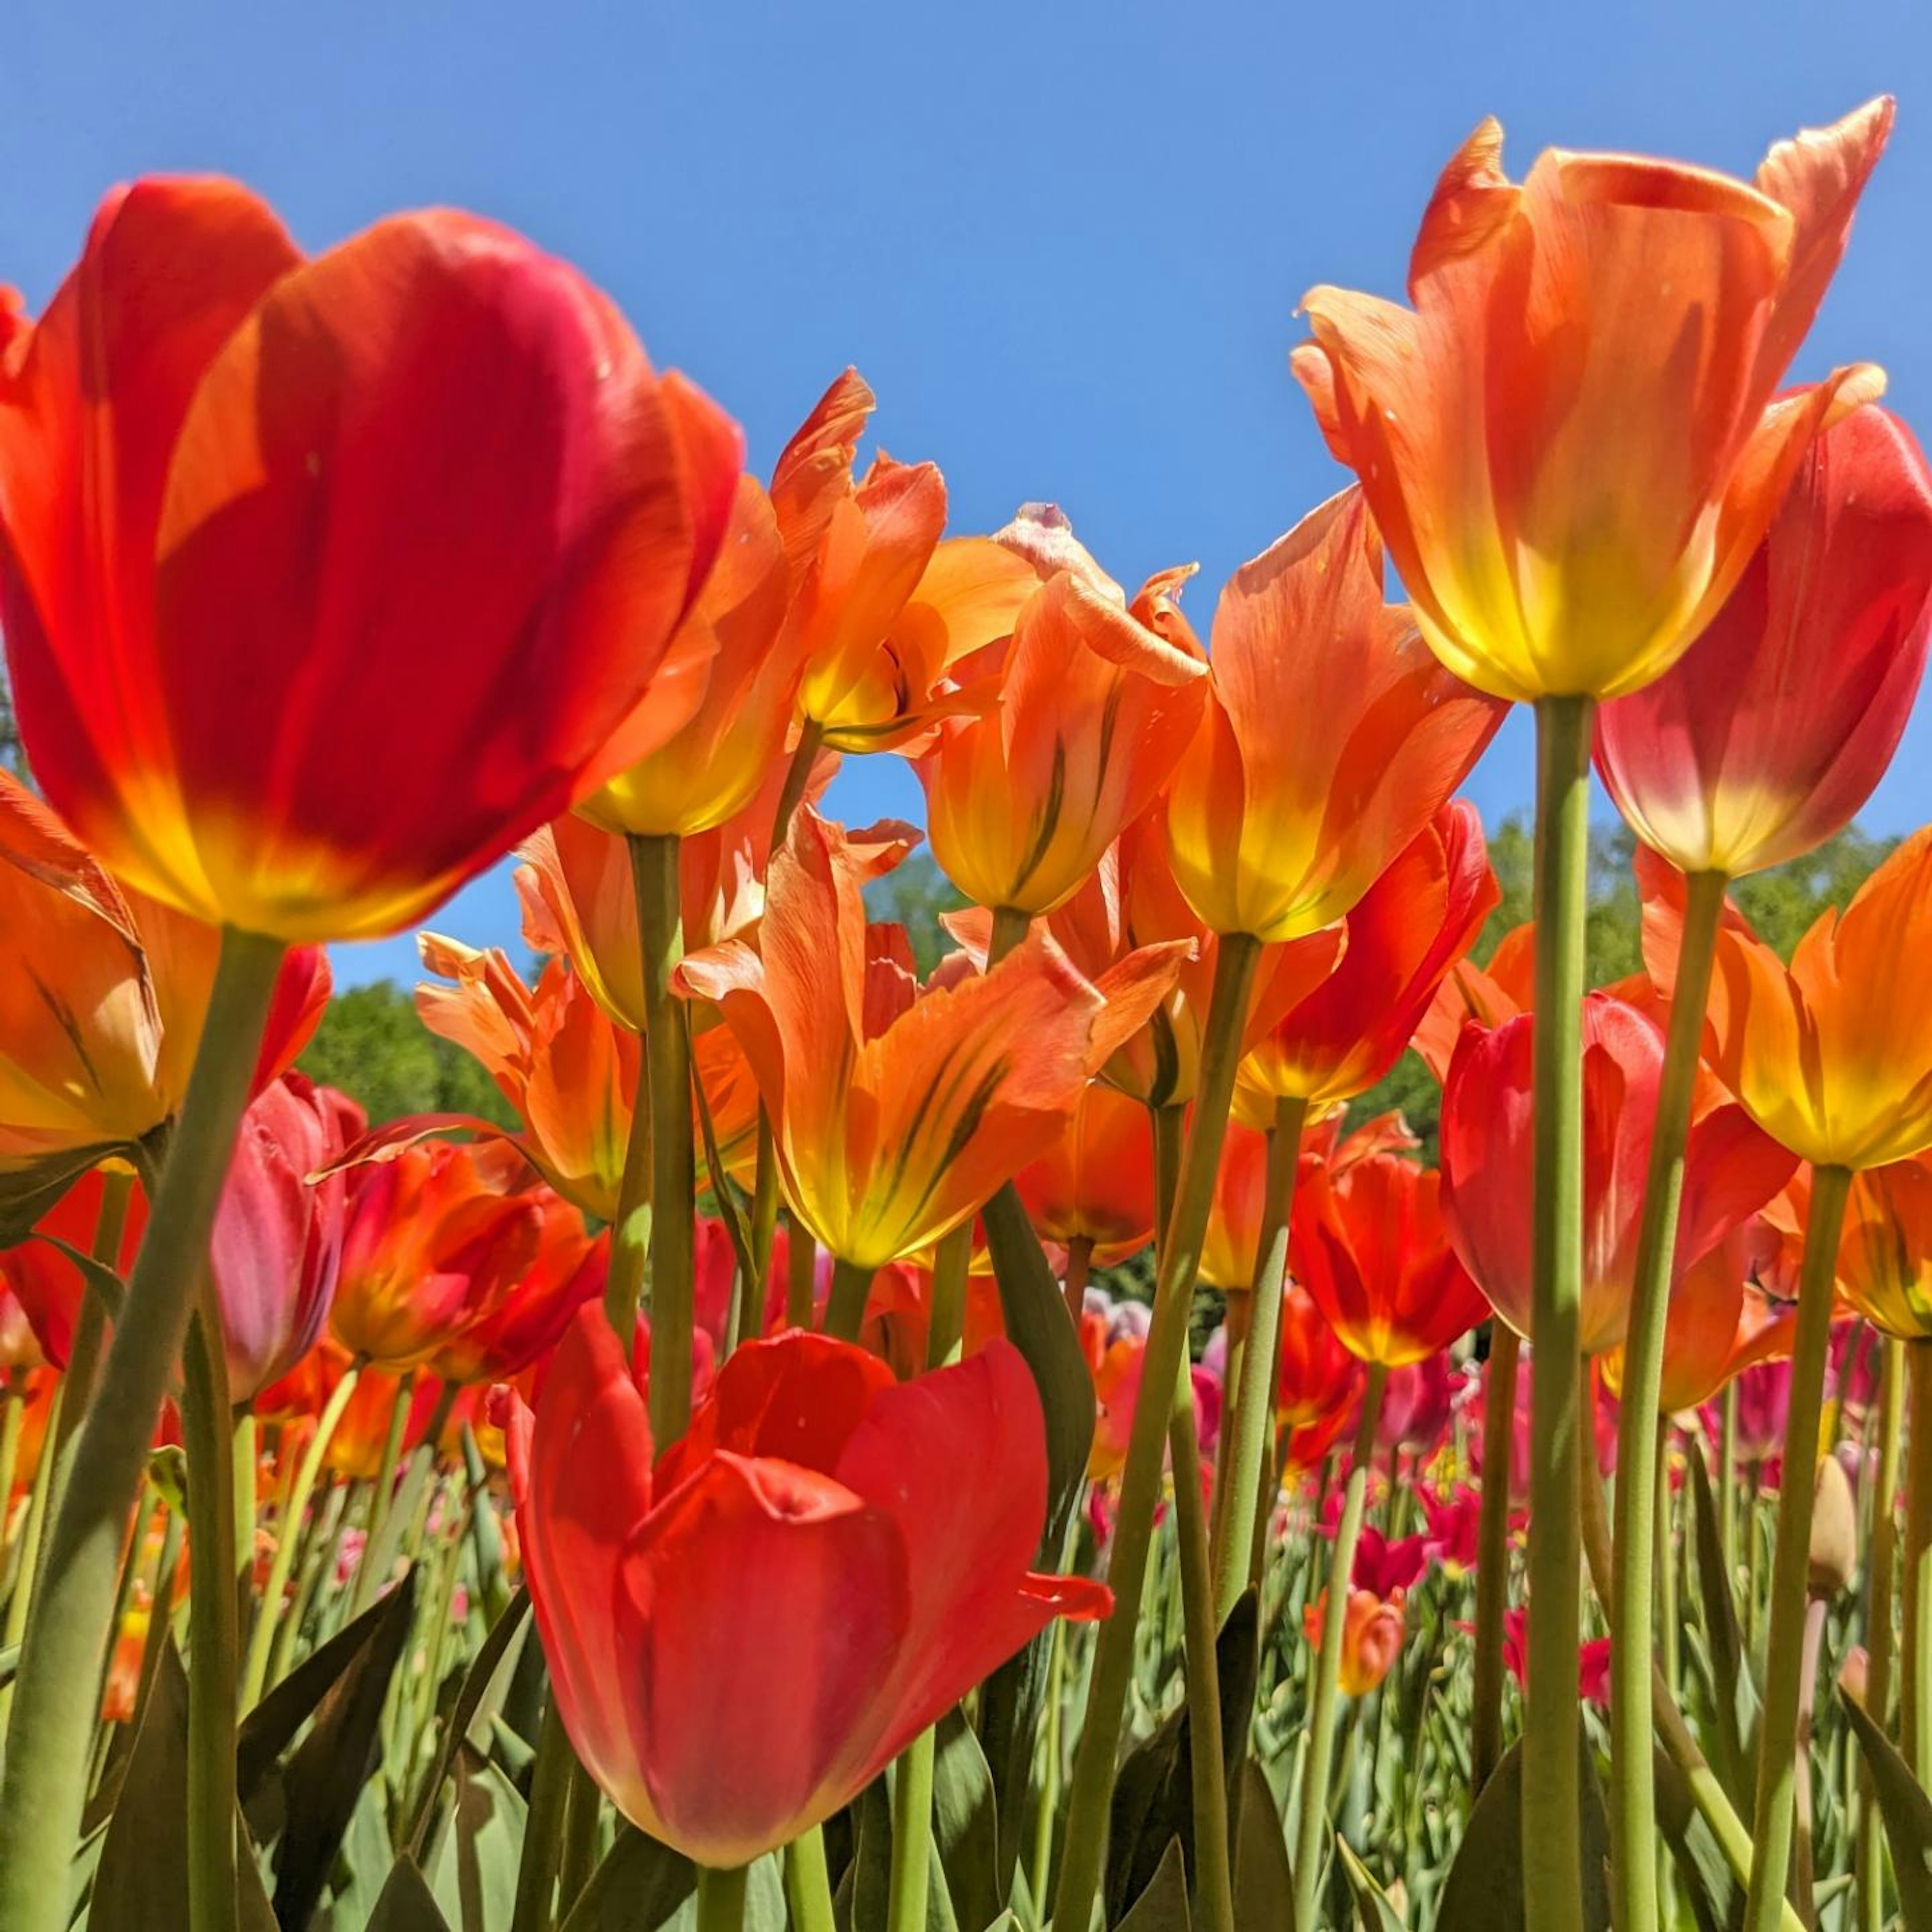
1249,1424
1917,1716
1485,1736
798,775
1778,1726
1049,1776
382,1495
1727,1485
631,1225
1553,1856
845,1309
721,1899
33,1535
1312,1823
13,1415
1170,1132
318,1557
583,1813
1667,1627
213,1645
755,1295
67,1637
1166,1348
261,1640
809,1883
90,1328
1073,1283
1633,1787
801,1266
952,1263
544,1824
910,1880
160,1618
1880,1583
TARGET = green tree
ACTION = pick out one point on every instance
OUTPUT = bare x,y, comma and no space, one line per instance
914,895
373,1045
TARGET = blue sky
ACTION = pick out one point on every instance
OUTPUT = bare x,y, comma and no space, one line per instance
1064,242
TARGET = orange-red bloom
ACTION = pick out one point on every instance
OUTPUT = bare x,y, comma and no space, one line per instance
1096,1183
1770,732
1403,936
41,1286
1833,1057
1369,1244
1276,836
897,1112
1885,1256
809,1469
1731,1168
1319,1381
1570,441
1372,1631
326,580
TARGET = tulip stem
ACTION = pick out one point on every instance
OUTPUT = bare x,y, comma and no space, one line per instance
1727,1486
544,1826
1162,1363
1632,1787
1248,1425
12,1416
33,1535
910,1880
382,1495
90,1326
798,776
1917,1715
801,1273
1777,1726
654,874
1880,1582
631,1225
721,1899
809,1883
1313,1821
1552,1856
208,1430
1485,1731
755,1296
54,1713
261,1639
845,1308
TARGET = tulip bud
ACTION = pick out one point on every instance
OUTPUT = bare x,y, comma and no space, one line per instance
1835,1531
1854,1674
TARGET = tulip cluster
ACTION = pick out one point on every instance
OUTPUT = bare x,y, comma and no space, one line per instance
844,1445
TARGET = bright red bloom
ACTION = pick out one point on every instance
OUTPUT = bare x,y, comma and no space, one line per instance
1319,1383
41,1288
1593,1658
1386,1568
1369,1244
426,482
1771,730
807,1468
1732,1168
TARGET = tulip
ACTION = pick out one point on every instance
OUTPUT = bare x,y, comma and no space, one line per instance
1403,938
1276,845
1885,1256
1373,1628
710,1727
896,1114
42,1287
1732,1169
1572,442
1593,1659
1095,1185
278,1239
516,510
1098,699
1228,1247
1384,1567
1371,1246
356,1446
1418,1404
1770,731
1489,995
1319,1383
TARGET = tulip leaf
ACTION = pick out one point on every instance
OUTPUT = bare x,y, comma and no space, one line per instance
638,1888
1484,1890
1906,1810
407,1904
1263,1884
1162,1907
474,1873
1716,1898
102,1281
965,1823
1374,1909
1734,1695
142,1878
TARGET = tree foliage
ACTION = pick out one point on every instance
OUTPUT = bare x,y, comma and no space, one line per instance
373,1045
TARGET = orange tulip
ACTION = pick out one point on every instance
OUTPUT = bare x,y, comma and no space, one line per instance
427,482
1098,698
897,1114
102,1005
1277,839
1403,937
1320,1381
1885,1256
1233,1234
1770,732
355,1449
1572,441
1487,994
1833,1057
1096,1183
1373,1629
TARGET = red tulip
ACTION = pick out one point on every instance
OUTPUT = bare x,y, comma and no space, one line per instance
325,581
41,1287
1320,1381
809,1472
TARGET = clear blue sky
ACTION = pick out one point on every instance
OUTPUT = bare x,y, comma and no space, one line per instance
1064,242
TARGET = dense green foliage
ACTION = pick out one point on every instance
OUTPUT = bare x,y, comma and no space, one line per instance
373,1046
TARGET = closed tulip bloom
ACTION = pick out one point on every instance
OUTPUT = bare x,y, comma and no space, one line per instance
808,1469
1370,1246
276,1247
1418,1405
1885,1256
1373,1628
1275,838
897,1112
102,1007
1098,698
520,1316
1401,939
1096,1183
41,1286
1731,1169
1320,1381
428,481
1833,1057
1233,1234
1762,741
1574,440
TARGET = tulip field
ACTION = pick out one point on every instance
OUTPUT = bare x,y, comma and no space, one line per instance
1033,1440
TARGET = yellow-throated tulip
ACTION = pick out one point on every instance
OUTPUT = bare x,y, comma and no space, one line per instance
1885,1255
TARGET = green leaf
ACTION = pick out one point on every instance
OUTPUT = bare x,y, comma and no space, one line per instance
406,1903
482,1675
1162,1907
965,1823
1716,1899
1484,1891
474,1873
1734,1693
638,1888
765,1908
142,1878
1906,1810
1374,1909
1264,1884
